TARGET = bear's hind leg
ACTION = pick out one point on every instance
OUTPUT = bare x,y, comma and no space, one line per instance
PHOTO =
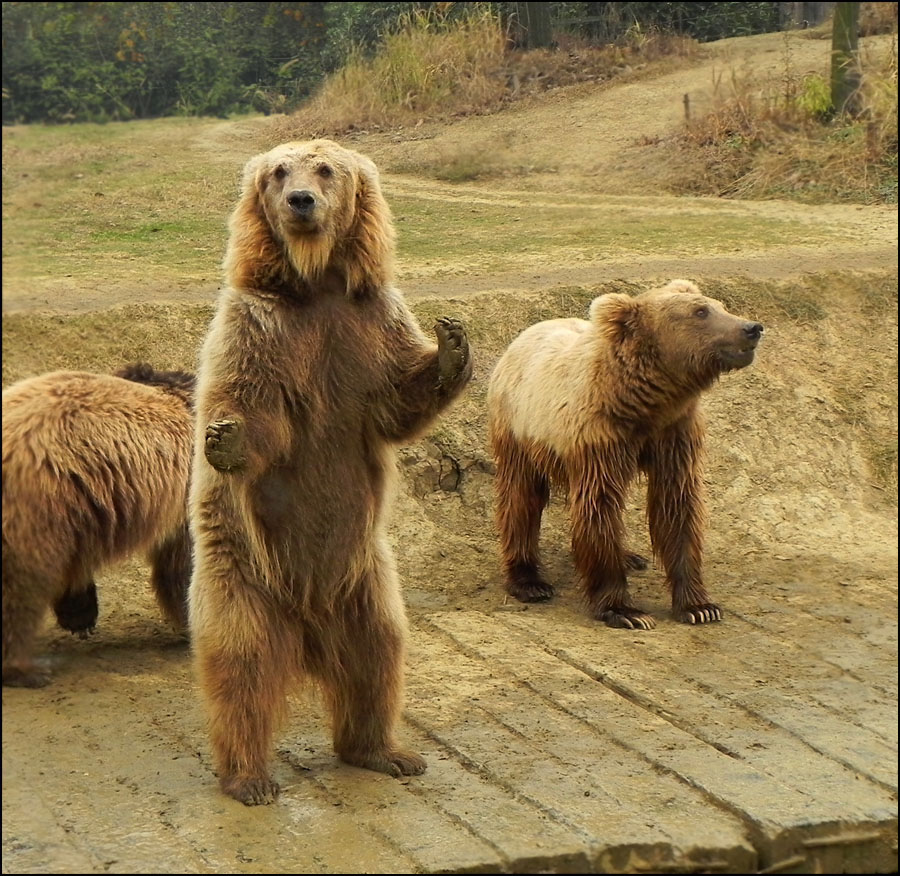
522,493
171,575
363,680
243,662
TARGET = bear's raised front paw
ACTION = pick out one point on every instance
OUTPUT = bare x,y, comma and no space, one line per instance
259,791
625,617
704,613
225,445
453,349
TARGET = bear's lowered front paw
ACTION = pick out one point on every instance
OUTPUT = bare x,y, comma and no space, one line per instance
453,349
225,445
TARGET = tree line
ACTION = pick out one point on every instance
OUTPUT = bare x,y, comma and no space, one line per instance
87,61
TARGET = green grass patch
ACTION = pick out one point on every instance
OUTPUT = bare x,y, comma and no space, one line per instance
504,235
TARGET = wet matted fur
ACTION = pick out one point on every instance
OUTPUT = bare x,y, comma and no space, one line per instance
589,404
313,369
95,468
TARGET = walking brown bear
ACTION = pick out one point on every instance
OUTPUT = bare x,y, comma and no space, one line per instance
589,405
95,468
313,369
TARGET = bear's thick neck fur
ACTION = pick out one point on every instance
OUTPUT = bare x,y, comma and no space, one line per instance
648,390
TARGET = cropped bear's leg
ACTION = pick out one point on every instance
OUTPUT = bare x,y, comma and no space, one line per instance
24,607
521,494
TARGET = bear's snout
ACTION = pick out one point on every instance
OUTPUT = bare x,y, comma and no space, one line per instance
753,330
302,203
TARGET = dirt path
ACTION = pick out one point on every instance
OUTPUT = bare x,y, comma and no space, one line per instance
767,743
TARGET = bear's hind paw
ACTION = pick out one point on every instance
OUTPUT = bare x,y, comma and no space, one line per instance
26,676
636,562
77,611
251,791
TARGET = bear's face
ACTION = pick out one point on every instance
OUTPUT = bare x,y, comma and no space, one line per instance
309,189
690,335
307,209
696,334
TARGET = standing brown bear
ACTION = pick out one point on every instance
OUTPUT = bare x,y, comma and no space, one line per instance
95,468
590,404
312,370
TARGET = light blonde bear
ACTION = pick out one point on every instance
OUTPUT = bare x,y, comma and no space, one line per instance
590,404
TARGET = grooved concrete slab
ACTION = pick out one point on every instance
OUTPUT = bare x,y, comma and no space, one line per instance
554,745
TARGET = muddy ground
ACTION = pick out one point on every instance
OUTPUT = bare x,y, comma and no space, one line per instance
765,743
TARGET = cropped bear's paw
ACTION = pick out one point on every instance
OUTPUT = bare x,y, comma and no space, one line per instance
224,447
525,583
26,674
77,611
636,562
453,350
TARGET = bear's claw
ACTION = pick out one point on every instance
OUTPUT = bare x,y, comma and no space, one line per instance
706,613
394,762
626,618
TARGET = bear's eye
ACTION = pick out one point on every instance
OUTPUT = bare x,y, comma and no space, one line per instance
324,171
701,312
280,172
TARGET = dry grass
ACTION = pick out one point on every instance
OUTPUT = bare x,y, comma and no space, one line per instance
780,139
433,68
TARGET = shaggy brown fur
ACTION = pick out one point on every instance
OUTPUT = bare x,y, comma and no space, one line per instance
589,405
95,468
313,368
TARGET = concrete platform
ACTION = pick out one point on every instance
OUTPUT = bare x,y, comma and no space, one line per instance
766,743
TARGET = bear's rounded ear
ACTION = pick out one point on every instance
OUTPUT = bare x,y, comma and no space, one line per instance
368,259
250,176
615,315
681,286
368,180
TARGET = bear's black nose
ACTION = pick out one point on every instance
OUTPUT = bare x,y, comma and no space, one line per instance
302,203
753,330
